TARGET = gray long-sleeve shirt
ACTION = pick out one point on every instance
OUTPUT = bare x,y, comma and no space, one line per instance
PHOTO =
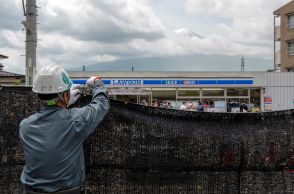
53,144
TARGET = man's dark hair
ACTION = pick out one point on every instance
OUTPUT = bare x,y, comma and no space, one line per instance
47,96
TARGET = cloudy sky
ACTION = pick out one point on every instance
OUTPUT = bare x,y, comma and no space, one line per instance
111,35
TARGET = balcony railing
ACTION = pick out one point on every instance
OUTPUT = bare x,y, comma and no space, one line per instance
278,57
277,33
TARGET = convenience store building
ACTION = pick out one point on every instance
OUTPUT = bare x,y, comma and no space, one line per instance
261,91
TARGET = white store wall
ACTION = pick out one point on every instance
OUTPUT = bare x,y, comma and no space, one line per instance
280,87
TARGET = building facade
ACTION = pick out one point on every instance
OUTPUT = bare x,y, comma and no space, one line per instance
222,91
8,78
284,38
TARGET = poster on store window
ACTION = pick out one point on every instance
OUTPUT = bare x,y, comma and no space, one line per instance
268,103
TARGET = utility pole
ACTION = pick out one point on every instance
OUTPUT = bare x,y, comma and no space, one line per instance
30,11
242,64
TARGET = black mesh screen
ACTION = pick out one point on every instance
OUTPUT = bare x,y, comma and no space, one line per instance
141,149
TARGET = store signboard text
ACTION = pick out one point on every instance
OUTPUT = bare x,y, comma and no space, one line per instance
126,82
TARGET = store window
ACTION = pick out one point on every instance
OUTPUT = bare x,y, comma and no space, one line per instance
160,95
134,95
291,48
126,98
145,97
240,104
291,21
213,92
188,92
237,92
214,104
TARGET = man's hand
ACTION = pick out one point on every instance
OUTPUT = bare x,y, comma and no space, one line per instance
95,82
74,95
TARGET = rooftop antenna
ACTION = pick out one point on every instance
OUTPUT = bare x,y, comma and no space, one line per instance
242,64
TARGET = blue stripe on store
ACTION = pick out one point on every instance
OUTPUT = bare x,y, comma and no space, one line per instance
83,81
207,82
183,82
244,82
79,81
224,82
107,82
152,82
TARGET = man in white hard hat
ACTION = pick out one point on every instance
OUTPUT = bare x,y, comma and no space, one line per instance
53,137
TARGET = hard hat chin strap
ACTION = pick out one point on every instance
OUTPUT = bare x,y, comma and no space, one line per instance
52,102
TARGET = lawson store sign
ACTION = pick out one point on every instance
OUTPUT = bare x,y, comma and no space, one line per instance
177,82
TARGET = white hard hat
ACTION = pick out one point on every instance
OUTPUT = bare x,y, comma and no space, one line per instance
51,79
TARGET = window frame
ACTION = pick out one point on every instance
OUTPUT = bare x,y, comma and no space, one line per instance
290,47
290,22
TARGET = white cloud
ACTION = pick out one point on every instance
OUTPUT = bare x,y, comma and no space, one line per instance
83,32
103,21
12,39
250,30
75,32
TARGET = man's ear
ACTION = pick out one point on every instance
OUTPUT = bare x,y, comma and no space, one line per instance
66,96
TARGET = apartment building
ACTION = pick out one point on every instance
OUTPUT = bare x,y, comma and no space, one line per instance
284,38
